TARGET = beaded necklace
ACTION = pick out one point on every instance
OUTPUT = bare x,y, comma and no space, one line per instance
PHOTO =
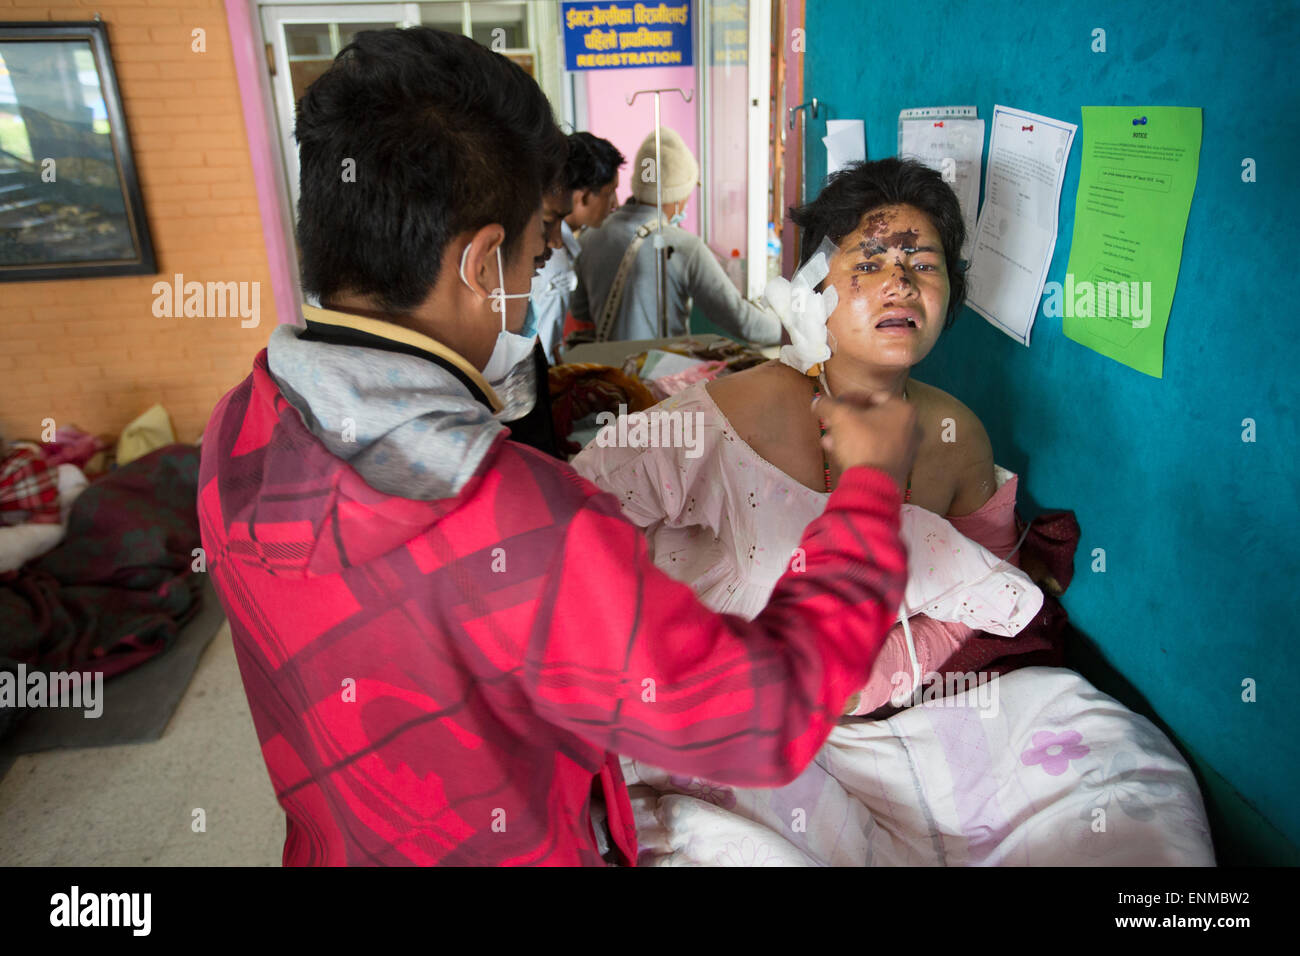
826,464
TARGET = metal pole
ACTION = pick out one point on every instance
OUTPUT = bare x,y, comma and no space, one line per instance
661,254
803,142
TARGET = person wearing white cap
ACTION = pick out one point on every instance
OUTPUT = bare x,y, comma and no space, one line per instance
616,293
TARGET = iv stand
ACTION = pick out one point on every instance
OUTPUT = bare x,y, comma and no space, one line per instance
661,256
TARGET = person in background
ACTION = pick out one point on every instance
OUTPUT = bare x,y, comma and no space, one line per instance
537,427
589,181
446,637
592,161
617,308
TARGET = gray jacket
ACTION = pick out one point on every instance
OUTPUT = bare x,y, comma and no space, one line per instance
693,273
416,432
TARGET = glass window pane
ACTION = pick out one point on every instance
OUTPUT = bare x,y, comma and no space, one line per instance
524,60
510,18
302,73
308,39
442,16
726,127
348,30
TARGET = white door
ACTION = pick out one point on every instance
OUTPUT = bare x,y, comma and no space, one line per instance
303,38
734,68
303,42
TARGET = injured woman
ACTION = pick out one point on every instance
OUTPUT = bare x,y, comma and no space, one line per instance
1030,767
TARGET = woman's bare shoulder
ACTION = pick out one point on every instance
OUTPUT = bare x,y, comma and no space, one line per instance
958,446
750,398
937,409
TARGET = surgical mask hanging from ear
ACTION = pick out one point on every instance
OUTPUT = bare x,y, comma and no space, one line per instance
530,322
509,369
677,218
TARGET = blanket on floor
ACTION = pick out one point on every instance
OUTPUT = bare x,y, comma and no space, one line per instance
120,587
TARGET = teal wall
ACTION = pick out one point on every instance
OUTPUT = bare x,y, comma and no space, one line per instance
1199,528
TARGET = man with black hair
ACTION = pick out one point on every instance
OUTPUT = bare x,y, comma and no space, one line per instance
587,195
592,173
445,636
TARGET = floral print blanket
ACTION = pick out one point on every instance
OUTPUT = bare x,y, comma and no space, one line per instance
1032,768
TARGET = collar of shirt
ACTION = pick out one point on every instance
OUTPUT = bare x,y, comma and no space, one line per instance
344,328
570,239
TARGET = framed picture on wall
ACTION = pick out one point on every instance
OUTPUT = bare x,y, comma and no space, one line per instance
70,203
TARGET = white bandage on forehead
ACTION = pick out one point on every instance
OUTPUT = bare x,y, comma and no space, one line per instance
818,266
811,274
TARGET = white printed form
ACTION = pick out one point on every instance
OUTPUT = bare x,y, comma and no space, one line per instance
952,147
1017,228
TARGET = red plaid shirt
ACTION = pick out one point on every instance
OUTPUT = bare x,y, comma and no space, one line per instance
441,681
29,488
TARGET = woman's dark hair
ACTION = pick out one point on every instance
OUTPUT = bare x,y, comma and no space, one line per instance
593,162
409,139
861,187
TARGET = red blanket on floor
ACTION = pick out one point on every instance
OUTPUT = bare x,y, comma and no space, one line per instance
120,587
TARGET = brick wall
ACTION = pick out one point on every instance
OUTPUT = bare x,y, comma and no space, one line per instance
90,352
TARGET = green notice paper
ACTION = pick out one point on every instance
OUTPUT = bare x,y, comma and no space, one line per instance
1135,190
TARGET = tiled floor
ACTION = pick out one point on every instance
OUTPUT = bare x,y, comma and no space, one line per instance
134,805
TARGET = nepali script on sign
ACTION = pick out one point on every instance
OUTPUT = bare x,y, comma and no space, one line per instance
615,35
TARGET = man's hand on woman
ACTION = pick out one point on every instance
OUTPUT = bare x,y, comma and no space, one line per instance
876,431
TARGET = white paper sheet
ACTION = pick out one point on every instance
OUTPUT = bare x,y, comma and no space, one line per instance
845,143
953,148
1016,234
659,364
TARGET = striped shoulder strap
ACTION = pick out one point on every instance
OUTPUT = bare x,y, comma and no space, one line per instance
615,298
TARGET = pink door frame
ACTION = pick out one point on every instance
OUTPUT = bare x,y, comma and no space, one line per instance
245,44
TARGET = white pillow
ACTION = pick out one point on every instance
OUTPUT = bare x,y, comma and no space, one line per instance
21,543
